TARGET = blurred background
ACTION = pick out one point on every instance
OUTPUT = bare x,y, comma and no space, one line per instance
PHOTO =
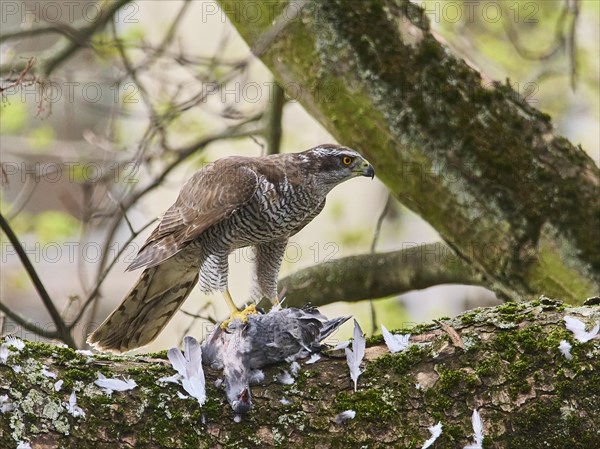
99,145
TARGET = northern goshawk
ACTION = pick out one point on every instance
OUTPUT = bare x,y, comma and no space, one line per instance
231,203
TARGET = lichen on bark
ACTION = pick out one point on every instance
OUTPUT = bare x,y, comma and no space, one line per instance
511,370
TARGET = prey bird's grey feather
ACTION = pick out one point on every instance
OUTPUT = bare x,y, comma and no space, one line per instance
277,336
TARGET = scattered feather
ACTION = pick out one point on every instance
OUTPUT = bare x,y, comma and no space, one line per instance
85,352
218,382
110,385
172,379
578,328
435,432
196,388
341,418
313,359
48,373
6,406
73,408
256,376
295,368
189,367
477,431
341,345
285,378
58,385
237,418
23,445
285,401
15,342
565,349
180,395
4,353
17,368
355,355
395,343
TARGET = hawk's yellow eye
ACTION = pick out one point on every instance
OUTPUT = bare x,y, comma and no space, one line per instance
347,160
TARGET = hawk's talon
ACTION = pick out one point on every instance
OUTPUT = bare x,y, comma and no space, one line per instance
239,315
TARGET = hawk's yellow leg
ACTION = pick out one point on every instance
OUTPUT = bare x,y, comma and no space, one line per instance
234,312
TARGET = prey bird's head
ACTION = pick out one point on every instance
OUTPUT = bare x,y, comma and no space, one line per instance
336,163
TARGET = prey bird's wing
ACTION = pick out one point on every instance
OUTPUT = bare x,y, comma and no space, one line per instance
211,195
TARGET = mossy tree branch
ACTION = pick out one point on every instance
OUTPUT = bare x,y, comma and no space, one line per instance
485,169
527,392
371,276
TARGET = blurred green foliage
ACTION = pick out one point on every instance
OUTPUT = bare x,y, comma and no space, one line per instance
47,226
13,116
41,137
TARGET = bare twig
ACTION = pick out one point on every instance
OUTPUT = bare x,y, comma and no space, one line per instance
68,31
380,219
84,35
26,324
21,78
198,316
22,197
61,328
374,323
536,55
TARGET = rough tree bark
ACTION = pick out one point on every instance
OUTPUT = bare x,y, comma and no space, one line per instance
528,394
517,202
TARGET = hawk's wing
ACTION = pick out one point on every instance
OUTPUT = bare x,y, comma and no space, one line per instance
211,195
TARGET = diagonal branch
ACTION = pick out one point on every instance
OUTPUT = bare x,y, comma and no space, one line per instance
84,36
61,328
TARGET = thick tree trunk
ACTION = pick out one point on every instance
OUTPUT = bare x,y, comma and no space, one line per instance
485,169
528,394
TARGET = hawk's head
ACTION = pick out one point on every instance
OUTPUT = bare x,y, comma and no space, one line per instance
336,163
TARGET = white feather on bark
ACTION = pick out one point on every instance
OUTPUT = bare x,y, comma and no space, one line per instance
355,355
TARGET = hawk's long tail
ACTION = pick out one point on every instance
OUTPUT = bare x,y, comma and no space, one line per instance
148,307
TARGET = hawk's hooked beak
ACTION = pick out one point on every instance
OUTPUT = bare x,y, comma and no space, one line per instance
367,169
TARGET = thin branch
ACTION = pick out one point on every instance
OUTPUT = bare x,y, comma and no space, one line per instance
525,53
384,212
23,196
28,325
68,31
197,316
84,35
61,327
21,78
376,233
